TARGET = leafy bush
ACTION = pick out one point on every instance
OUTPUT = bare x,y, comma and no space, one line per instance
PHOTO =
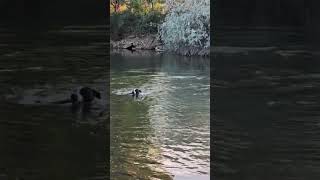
186,25
134,23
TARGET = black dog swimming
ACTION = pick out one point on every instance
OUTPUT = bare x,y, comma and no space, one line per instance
87,94
135,92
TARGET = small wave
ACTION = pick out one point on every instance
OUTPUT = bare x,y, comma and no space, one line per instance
122,91
146,89
137,71
7,70
182,77
199,78
38,68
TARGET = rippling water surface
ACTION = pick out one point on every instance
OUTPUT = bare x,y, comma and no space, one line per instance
43,141
266,114
165,133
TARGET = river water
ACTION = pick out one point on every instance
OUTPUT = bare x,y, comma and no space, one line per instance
39,140
266,113
165,134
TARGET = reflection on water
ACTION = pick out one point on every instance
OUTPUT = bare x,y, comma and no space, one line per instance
165,134
266,121
43,141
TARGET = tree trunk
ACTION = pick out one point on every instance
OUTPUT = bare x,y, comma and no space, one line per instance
115,8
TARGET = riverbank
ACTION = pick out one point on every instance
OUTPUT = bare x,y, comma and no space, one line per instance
152,42
142,42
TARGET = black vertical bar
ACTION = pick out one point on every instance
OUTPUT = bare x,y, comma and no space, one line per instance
107,14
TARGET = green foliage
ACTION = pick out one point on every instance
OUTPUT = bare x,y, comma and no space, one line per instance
134,23
136,5
186,25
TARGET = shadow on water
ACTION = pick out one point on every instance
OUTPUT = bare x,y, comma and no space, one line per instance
266,120
44,141
165,134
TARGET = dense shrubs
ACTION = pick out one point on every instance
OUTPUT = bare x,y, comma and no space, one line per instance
183,26
187,25
126,23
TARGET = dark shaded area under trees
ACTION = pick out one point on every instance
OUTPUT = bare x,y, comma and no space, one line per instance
302,15
52,13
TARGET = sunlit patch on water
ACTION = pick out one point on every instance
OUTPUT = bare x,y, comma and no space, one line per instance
182,77
165,136
181,126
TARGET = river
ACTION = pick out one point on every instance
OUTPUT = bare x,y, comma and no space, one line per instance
39,140
266,112
166,133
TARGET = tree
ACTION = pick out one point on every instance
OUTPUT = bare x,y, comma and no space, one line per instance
187,24
135,5
115,4
151,2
